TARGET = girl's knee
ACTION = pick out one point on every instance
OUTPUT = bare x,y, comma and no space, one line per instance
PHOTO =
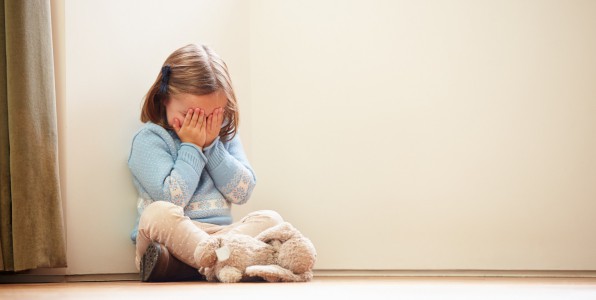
160,211
270,217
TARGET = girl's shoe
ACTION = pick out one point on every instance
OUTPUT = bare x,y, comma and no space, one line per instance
158,265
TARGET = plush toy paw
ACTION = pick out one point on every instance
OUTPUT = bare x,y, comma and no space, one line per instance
229,274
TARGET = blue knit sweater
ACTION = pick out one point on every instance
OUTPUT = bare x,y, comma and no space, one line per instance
205,183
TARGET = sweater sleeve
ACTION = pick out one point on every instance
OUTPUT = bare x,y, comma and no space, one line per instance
230,170
163,178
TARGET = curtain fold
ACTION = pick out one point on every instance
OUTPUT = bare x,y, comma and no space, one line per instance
31,228
5,216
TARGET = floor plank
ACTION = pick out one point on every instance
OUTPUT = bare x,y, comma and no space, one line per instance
320,288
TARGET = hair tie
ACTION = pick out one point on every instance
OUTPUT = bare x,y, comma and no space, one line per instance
165,78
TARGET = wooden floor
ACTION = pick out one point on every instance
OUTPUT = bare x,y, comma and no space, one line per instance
364,288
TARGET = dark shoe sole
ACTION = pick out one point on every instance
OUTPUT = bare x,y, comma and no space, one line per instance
149,261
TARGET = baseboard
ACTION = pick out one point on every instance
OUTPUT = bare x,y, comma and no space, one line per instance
33,278
458,273
103,277
27,278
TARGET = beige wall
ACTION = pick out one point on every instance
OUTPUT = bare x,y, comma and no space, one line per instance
396,134
429,134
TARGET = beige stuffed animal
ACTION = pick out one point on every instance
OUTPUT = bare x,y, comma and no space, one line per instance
280,253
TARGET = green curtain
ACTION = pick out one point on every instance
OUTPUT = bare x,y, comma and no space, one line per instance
31,224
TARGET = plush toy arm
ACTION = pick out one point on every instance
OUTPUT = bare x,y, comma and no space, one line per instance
275,273
281,232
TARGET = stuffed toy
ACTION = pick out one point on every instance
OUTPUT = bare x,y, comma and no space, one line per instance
280,253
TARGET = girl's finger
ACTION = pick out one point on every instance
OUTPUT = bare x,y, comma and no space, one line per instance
188,117
195,118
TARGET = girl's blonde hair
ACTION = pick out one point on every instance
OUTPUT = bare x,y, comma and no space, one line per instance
197,70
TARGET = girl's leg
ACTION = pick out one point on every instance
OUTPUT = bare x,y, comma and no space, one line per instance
253,223
165,223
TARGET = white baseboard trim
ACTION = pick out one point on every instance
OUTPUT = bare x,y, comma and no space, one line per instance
458,273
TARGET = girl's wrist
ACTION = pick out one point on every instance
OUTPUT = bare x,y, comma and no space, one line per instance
194,144
197,145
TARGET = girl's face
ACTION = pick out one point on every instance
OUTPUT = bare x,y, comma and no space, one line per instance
178,105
